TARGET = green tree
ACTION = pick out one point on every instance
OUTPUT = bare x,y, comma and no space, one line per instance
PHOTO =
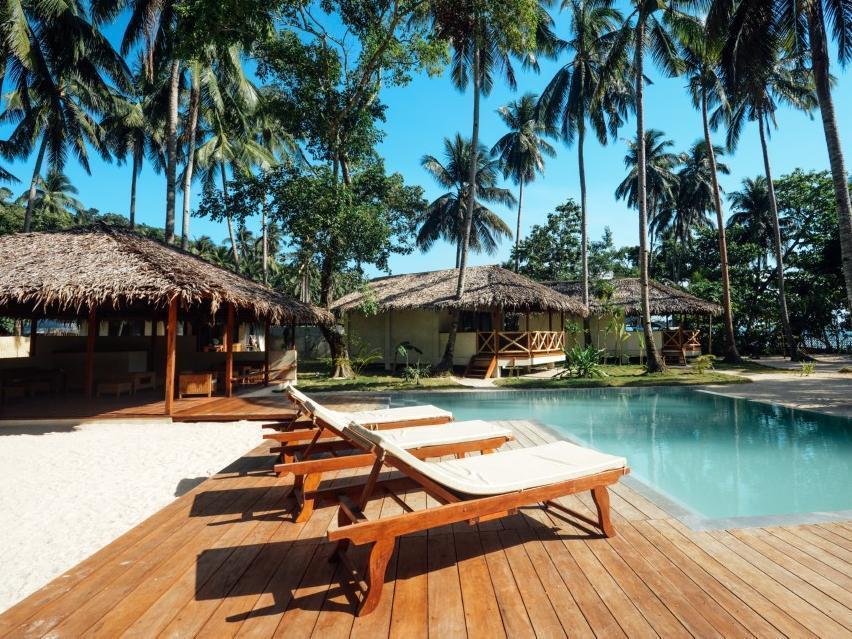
54,203
751,210
522,149
444,218
552,251
575,96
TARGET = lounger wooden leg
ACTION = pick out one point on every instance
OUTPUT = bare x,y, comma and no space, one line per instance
310,483
600,495
378,564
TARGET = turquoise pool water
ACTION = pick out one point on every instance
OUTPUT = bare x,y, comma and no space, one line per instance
715,456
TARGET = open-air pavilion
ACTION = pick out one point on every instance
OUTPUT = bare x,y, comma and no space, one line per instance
149,314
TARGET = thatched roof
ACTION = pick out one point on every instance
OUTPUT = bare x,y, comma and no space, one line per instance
487,288
665,300
115,270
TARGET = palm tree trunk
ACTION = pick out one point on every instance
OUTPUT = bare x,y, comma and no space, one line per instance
171,151
518,226
265,229
230,222
584,220
133,178
194,97
28,214
822,79
792,351
655,363
731,353
446,363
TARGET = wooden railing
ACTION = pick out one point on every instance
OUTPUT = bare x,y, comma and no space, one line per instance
681,339
514,343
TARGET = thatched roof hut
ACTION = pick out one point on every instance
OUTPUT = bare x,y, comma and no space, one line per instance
625,294
63,273
488,288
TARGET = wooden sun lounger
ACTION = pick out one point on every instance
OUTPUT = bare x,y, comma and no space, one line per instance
437,440
355,528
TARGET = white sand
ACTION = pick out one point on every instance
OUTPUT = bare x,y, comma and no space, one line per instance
66,492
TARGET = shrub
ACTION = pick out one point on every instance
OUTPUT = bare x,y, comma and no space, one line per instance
703,363
584,362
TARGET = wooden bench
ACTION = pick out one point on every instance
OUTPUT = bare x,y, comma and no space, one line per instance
115,387
143,381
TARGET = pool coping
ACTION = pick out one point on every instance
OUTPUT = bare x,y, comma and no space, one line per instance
673,508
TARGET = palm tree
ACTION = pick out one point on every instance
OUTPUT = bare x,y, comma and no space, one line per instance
57,60
479,50
522,149
752,211
661,185
754,29
570,97
444,218
756,99
131,128
54,201
701,51
647,27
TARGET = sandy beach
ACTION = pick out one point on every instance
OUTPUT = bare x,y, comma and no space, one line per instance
67,491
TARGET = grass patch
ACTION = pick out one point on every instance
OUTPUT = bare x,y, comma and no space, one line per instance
370,381
627,375
751,366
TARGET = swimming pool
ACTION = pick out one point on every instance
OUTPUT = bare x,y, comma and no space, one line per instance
715,456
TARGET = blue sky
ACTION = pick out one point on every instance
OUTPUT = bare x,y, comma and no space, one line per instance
422,113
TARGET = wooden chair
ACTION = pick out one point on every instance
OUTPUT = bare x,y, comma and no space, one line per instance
309,463
472,489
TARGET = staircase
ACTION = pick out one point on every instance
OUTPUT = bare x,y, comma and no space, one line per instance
481,366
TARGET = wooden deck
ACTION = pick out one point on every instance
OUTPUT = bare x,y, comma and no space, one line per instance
224,560
146,405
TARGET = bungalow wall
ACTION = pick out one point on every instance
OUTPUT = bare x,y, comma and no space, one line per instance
383,332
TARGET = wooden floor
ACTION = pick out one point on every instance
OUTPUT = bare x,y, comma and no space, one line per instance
146,405
224,560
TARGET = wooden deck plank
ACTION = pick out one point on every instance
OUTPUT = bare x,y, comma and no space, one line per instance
225,560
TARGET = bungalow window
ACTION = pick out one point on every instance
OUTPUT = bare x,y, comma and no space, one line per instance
471,321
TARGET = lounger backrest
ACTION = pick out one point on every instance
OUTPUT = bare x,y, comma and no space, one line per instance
332,418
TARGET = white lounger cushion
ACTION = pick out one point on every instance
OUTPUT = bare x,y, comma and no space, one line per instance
444,434
401,414
504,472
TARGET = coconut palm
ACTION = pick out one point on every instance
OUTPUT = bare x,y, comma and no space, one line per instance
647,30
480,49
755,30
522,149
701,51
445,217
569,100
756,99
54,203
57,60
131,128
661,184
751,210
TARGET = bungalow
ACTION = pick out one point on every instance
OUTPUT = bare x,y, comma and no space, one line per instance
506,321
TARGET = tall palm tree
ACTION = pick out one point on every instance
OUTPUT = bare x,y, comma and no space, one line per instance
647,29
445,217
701,51
522,149
750,209
480,50
756,99
571,97
754,29
661,180
58,62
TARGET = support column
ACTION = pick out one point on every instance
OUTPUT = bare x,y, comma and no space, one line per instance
710,334
229,352
266,353
89,374
171,360
33,334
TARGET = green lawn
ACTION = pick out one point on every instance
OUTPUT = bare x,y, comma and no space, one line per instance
370,381
630,375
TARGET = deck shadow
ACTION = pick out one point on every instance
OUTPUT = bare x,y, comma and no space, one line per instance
263,503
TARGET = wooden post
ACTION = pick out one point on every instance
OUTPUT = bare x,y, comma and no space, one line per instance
229,352
171,348
153,345
710,334
266,353
89,374
33,333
